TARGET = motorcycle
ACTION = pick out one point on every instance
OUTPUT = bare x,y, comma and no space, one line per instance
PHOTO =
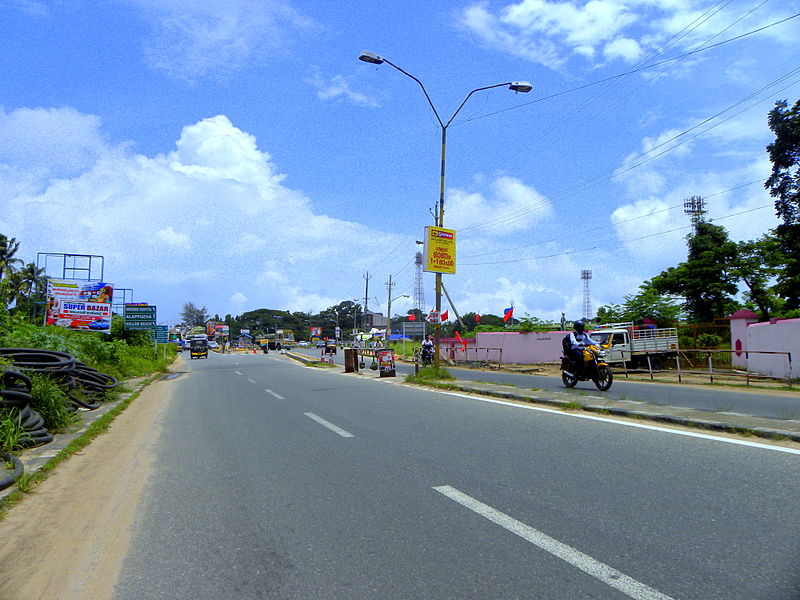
426,357
595,368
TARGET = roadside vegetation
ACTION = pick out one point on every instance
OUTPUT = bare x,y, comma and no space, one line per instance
121,354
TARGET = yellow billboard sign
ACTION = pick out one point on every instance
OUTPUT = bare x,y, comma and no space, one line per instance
440,250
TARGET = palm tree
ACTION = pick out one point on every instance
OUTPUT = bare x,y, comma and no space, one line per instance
8,248
29,286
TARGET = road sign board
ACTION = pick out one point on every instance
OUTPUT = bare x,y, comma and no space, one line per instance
140,325
161,333
140,316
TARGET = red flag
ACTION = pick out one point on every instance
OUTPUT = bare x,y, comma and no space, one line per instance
444,316
477,318
458,336
412,317
507,314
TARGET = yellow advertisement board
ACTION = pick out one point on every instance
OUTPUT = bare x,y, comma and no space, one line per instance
440,250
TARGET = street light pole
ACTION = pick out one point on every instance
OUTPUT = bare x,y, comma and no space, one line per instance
514,86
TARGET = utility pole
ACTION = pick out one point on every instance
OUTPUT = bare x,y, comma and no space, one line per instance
389,286
366,277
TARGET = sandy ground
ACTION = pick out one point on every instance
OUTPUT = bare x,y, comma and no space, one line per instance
68,538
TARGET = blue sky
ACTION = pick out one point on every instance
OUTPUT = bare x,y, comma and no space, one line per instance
238,155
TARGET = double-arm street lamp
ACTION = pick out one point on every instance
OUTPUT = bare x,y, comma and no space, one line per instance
514,86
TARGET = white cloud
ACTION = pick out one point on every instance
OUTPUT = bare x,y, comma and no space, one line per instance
53,142
512,206
195,40
624,48
339,88
169,236
217,195
549,31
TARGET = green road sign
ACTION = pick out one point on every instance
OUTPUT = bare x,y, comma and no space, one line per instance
161,334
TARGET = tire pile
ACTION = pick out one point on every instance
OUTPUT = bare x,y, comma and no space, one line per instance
83,385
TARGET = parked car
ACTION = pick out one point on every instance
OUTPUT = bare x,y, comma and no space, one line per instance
303,344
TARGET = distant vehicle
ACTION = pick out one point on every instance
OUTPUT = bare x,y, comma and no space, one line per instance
100,324
633,345
303,344
321,344
198,346
212,344
281,339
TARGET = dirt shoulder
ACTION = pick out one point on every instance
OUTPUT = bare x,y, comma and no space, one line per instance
67,539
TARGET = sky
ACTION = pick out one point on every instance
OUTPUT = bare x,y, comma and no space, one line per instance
238,155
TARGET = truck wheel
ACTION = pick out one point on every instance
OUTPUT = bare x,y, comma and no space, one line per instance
657,363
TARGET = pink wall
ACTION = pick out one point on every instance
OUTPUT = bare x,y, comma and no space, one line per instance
508,347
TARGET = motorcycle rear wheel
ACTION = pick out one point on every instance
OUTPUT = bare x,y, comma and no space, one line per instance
604,378
569,380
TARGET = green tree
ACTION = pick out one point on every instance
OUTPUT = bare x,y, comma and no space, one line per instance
705,280
193,316
784,185
610,313
8,248
757,265
29,287
649,303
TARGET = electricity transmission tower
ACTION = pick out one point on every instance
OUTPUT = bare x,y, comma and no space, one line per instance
419,290
586,276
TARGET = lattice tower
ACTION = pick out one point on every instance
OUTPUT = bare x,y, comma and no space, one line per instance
419,288
586,276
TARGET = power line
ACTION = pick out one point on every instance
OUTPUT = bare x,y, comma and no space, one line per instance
509,217
606,246
630,72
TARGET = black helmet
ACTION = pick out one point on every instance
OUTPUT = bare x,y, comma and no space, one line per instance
579,326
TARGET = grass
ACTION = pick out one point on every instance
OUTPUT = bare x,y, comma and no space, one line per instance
572,406
50,401
430,374
28,481
10,432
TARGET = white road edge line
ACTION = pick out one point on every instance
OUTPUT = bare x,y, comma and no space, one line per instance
702,436
329,425
238,372
274,395
576,558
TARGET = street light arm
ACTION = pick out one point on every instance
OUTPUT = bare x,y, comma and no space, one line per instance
424,91
488,87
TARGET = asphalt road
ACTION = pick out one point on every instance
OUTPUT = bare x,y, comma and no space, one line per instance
281,481
710,398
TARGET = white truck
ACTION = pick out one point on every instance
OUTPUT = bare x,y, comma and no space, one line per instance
633,345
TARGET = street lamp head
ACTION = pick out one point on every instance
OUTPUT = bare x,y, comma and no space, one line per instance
371,57
519,86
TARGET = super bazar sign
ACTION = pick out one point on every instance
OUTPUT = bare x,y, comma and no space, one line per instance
79,308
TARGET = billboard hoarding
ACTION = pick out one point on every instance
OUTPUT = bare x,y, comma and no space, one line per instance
439,250
79,305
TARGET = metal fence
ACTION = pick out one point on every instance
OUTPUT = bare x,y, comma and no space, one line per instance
718,363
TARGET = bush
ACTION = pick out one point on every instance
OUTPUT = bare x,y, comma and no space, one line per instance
708,340
50,401
427,374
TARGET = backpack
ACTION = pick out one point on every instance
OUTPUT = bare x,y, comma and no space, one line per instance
566,344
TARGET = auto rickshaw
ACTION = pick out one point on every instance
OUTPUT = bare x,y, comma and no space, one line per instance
198,349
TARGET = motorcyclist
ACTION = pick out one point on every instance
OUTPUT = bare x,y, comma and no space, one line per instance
427,348
579,339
